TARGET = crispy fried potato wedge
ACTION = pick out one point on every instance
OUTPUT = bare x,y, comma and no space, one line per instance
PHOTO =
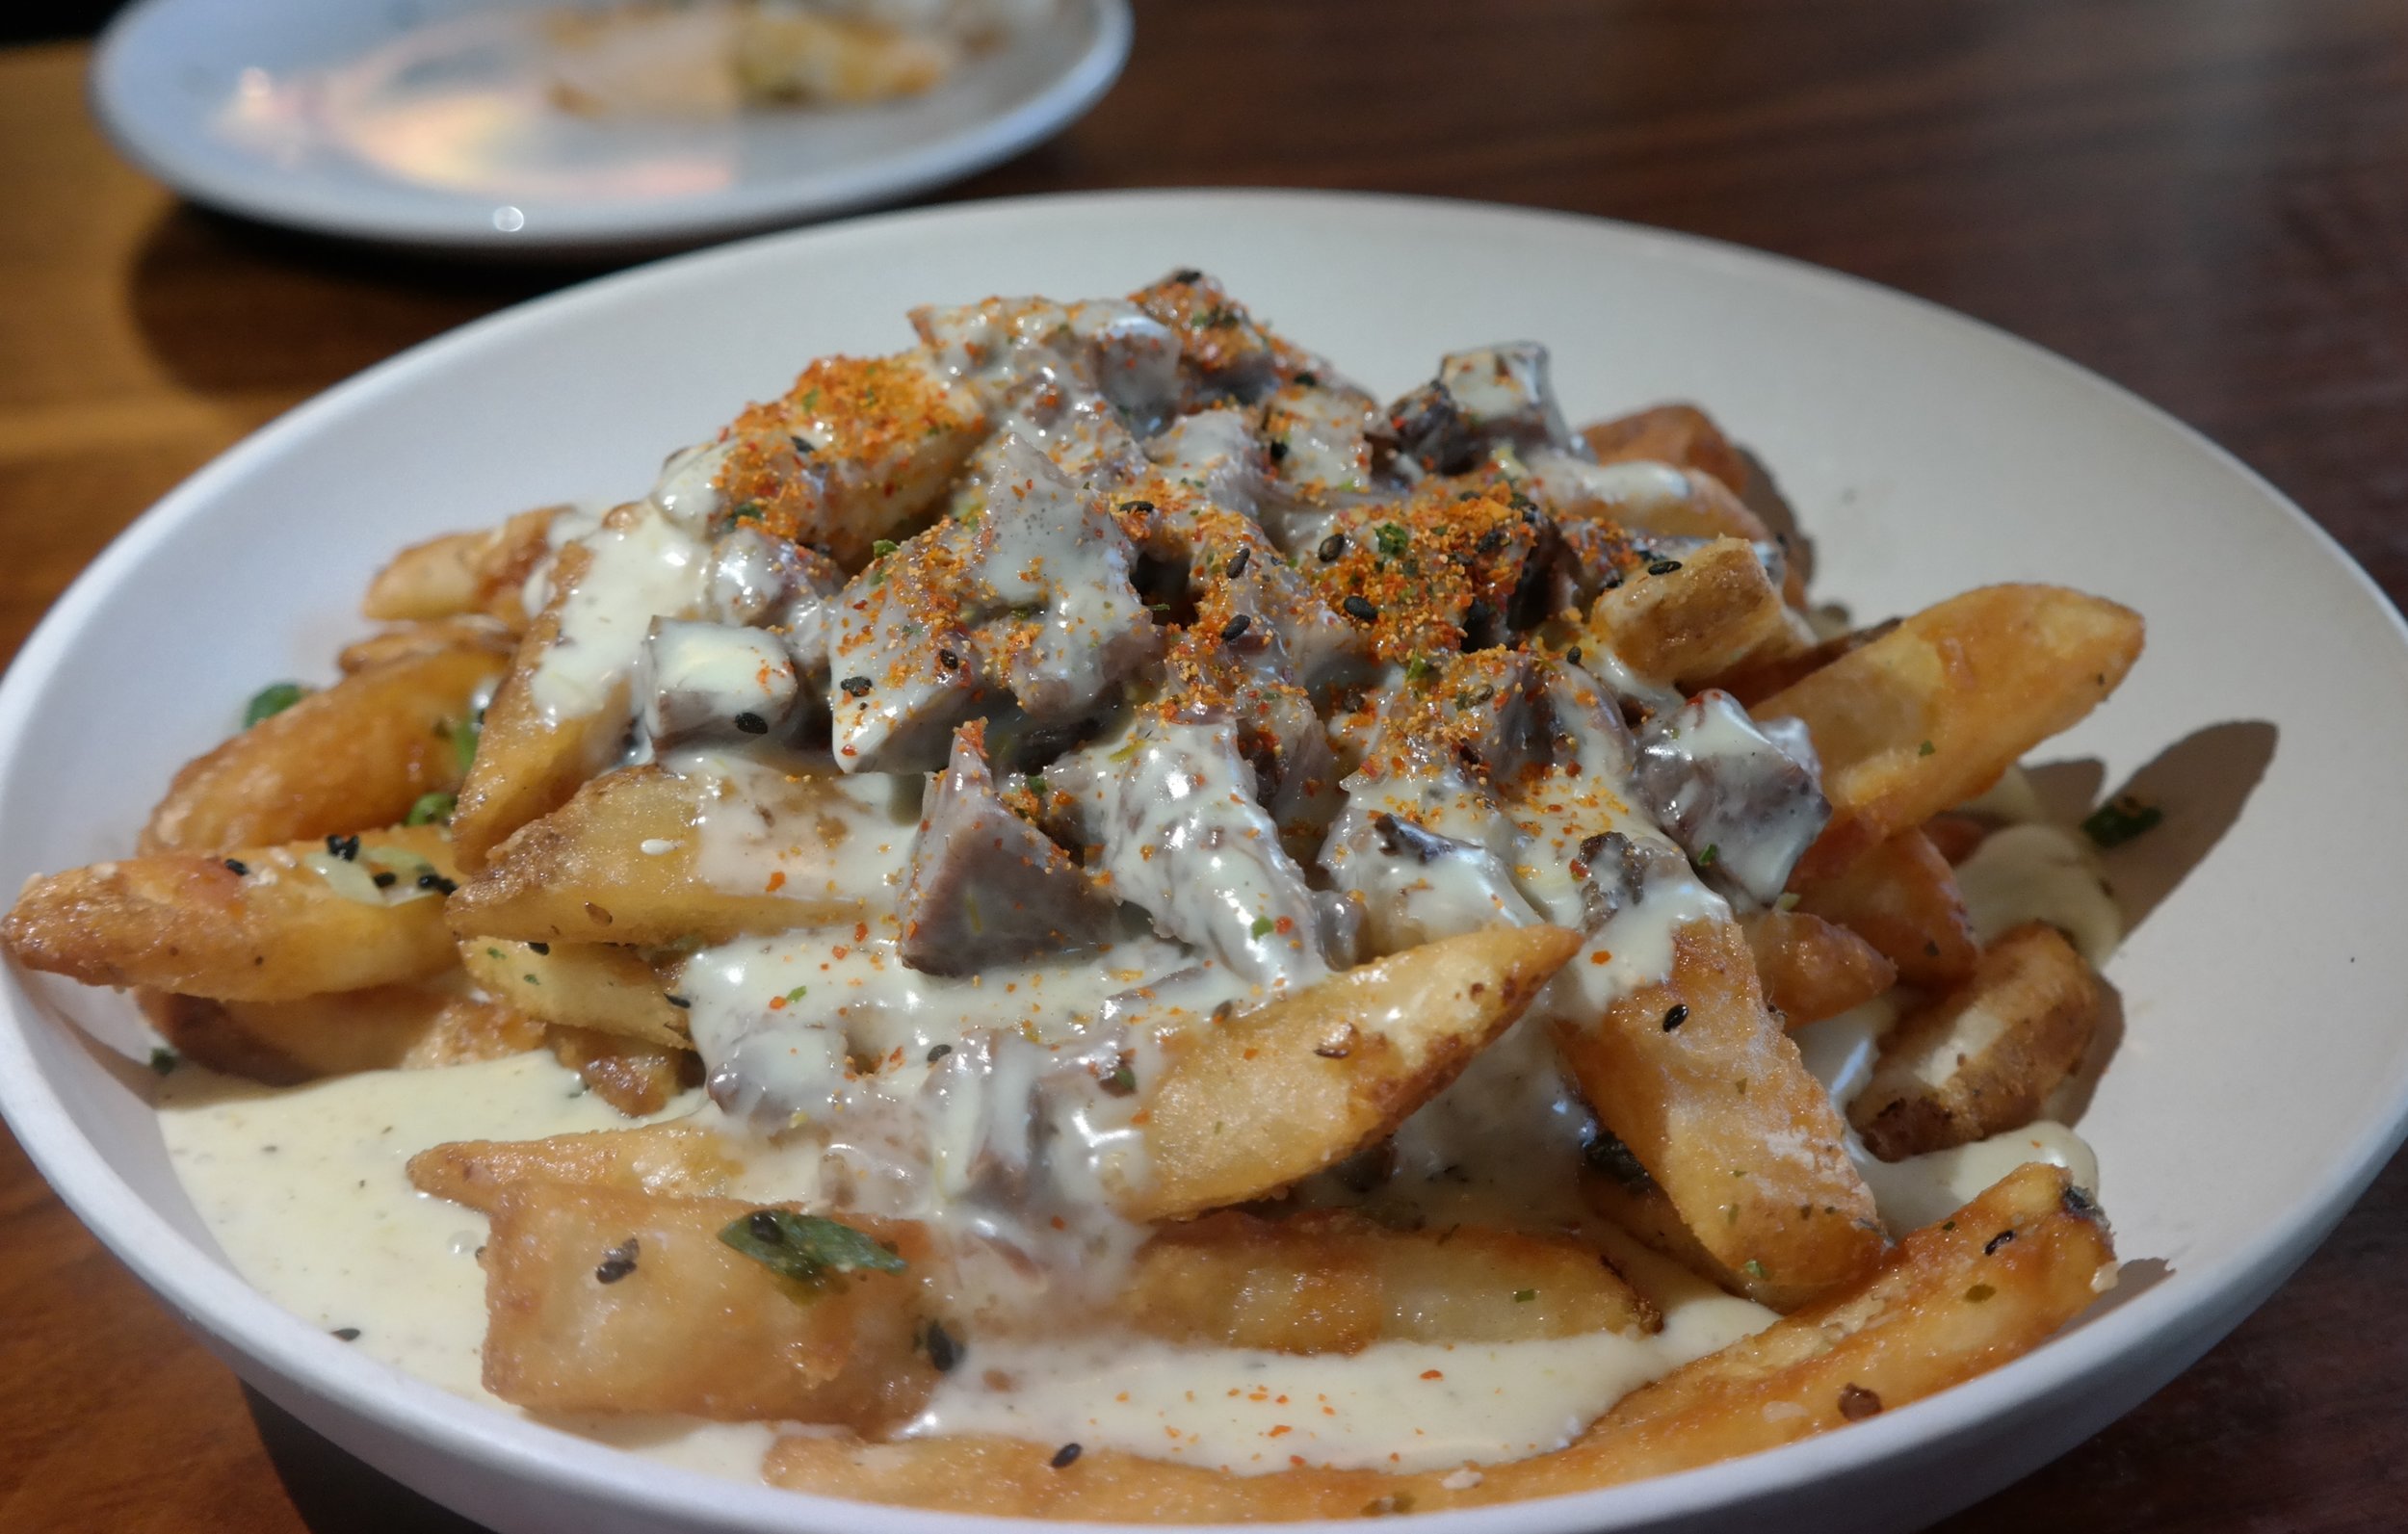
1695,622
385,1027
581,874
1328,1280
1930,714
1243,1109
583,985
1709,1094
1678,433
1903,899
635,1078
1982,1059
1617,1188
1761,676
357,755
600,1299
676,1158
1951,1302
1812,969
275,931
410,642
462,573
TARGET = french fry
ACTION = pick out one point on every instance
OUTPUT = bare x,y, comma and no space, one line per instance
358,754
528,766
1812,969
462,573
1982,1059
1680,434
605,1300
676,1158
1901,897
1951,1302
1930,714
1332,1282
584,985
1761,676
635,1078
581,874
1710,1096
1695,622
1620,1190
275,930
410,642
385,1027
1246,1107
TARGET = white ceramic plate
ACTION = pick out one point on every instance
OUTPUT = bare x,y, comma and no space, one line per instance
2263,1077
426,122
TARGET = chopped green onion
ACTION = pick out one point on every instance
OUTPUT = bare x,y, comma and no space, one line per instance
1262,926
431,809
272,700
1390,539
807,1248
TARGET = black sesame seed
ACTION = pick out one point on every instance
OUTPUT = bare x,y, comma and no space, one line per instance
1360,611
1613,582
855,685
1991,1246
1333,548
938,1051
346,848
753,723
948,659
1573,655
540,948
1136,506
765,1228
1676,1017
2078,1202
1663,567
1279,453
803,446
681,1002
1064,1457
346,1334
384,878
943,1351
1308,381
616,1262
236,867
1490,541
1235,629
1237,564
436,882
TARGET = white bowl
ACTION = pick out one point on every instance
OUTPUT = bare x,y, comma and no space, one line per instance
2263,1075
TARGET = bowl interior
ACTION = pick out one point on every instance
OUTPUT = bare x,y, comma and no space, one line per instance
2262,1072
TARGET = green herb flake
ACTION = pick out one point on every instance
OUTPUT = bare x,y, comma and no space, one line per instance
165,1061
1037,784
1755,1270
1390,539
807,1248
1706,859
463,734
797,994
1524,1296
431,809
1262,926
748,511
883,547
2120,820
272,700
1979,1292
1123,1080
1926,749
1418,668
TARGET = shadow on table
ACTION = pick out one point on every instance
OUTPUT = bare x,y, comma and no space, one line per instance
335,1494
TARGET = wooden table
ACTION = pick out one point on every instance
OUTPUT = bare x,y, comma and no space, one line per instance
2205,201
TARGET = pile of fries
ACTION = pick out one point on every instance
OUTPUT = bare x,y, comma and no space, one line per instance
1391,741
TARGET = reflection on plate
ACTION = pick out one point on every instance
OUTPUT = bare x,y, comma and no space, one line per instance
528,127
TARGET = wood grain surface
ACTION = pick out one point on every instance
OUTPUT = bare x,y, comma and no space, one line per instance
2206,200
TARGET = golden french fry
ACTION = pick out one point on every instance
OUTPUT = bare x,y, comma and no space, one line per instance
1761,676
1930,714
358,754
1901,897
1951,1302
1244,1107
635,1078
261,925
585,985
1812,968
1334,1282
528,766
385,1027
410,642
1680,434
676,1158
1693,623
1982,1059
462,573
581,874
605,1300
1616,1186
1709,1094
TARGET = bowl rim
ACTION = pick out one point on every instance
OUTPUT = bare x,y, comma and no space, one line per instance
417,218
2215,1294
